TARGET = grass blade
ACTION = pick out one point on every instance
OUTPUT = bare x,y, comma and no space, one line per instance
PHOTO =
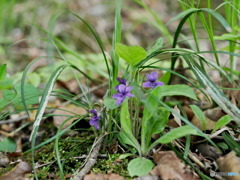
44,101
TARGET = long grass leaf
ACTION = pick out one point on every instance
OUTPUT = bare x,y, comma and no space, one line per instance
44,101
98,41
213,91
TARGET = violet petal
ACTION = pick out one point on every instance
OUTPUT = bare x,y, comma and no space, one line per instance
152,76
147,84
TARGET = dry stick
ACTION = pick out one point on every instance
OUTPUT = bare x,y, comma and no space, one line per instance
14,120
191,156
215,135
80,173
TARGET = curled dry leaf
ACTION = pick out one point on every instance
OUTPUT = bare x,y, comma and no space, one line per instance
169,166
100,176
207,150
18,172
230,163
175,121
68,110
209,123
71,85
176,118
214,114
189,112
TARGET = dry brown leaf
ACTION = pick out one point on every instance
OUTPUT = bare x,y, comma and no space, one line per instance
207,150
58,120
189,112
7,127
100,176
214,114
209,123
169,166
18,172
230,163
176,118
32,115
19,144
71,85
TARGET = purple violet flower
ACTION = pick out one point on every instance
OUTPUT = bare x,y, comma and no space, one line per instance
123,92
121,81
94,121
152,81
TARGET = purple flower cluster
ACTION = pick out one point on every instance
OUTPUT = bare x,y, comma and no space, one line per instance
94,121
152,81
123,91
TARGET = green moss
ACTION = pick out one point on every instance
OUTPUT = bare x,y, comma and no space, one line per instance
6,169
70,147
112,164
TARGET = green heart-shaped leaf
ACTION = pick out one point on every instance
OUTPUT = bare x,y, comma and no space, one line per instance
131,54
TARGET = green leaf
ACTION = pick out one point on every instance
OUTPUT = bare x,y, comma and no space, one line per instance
8,145
218,17
223,121
125,118
110,103
34,79
155,124
31,95
9,95
174,90
3,71
223,145
6,83
158,122
3,103
177,133
165,77
235,72
152,104
131,54
227,36
231,143
124,156
129,139
126,135
199,114
157,45
140,166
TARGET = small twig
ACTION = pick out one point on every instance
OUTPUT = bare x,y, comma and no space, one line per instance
215,135
14,120
191,156
80,173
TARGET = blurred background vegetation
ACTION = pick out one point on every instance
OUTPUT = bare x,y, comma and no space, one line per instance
22,39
